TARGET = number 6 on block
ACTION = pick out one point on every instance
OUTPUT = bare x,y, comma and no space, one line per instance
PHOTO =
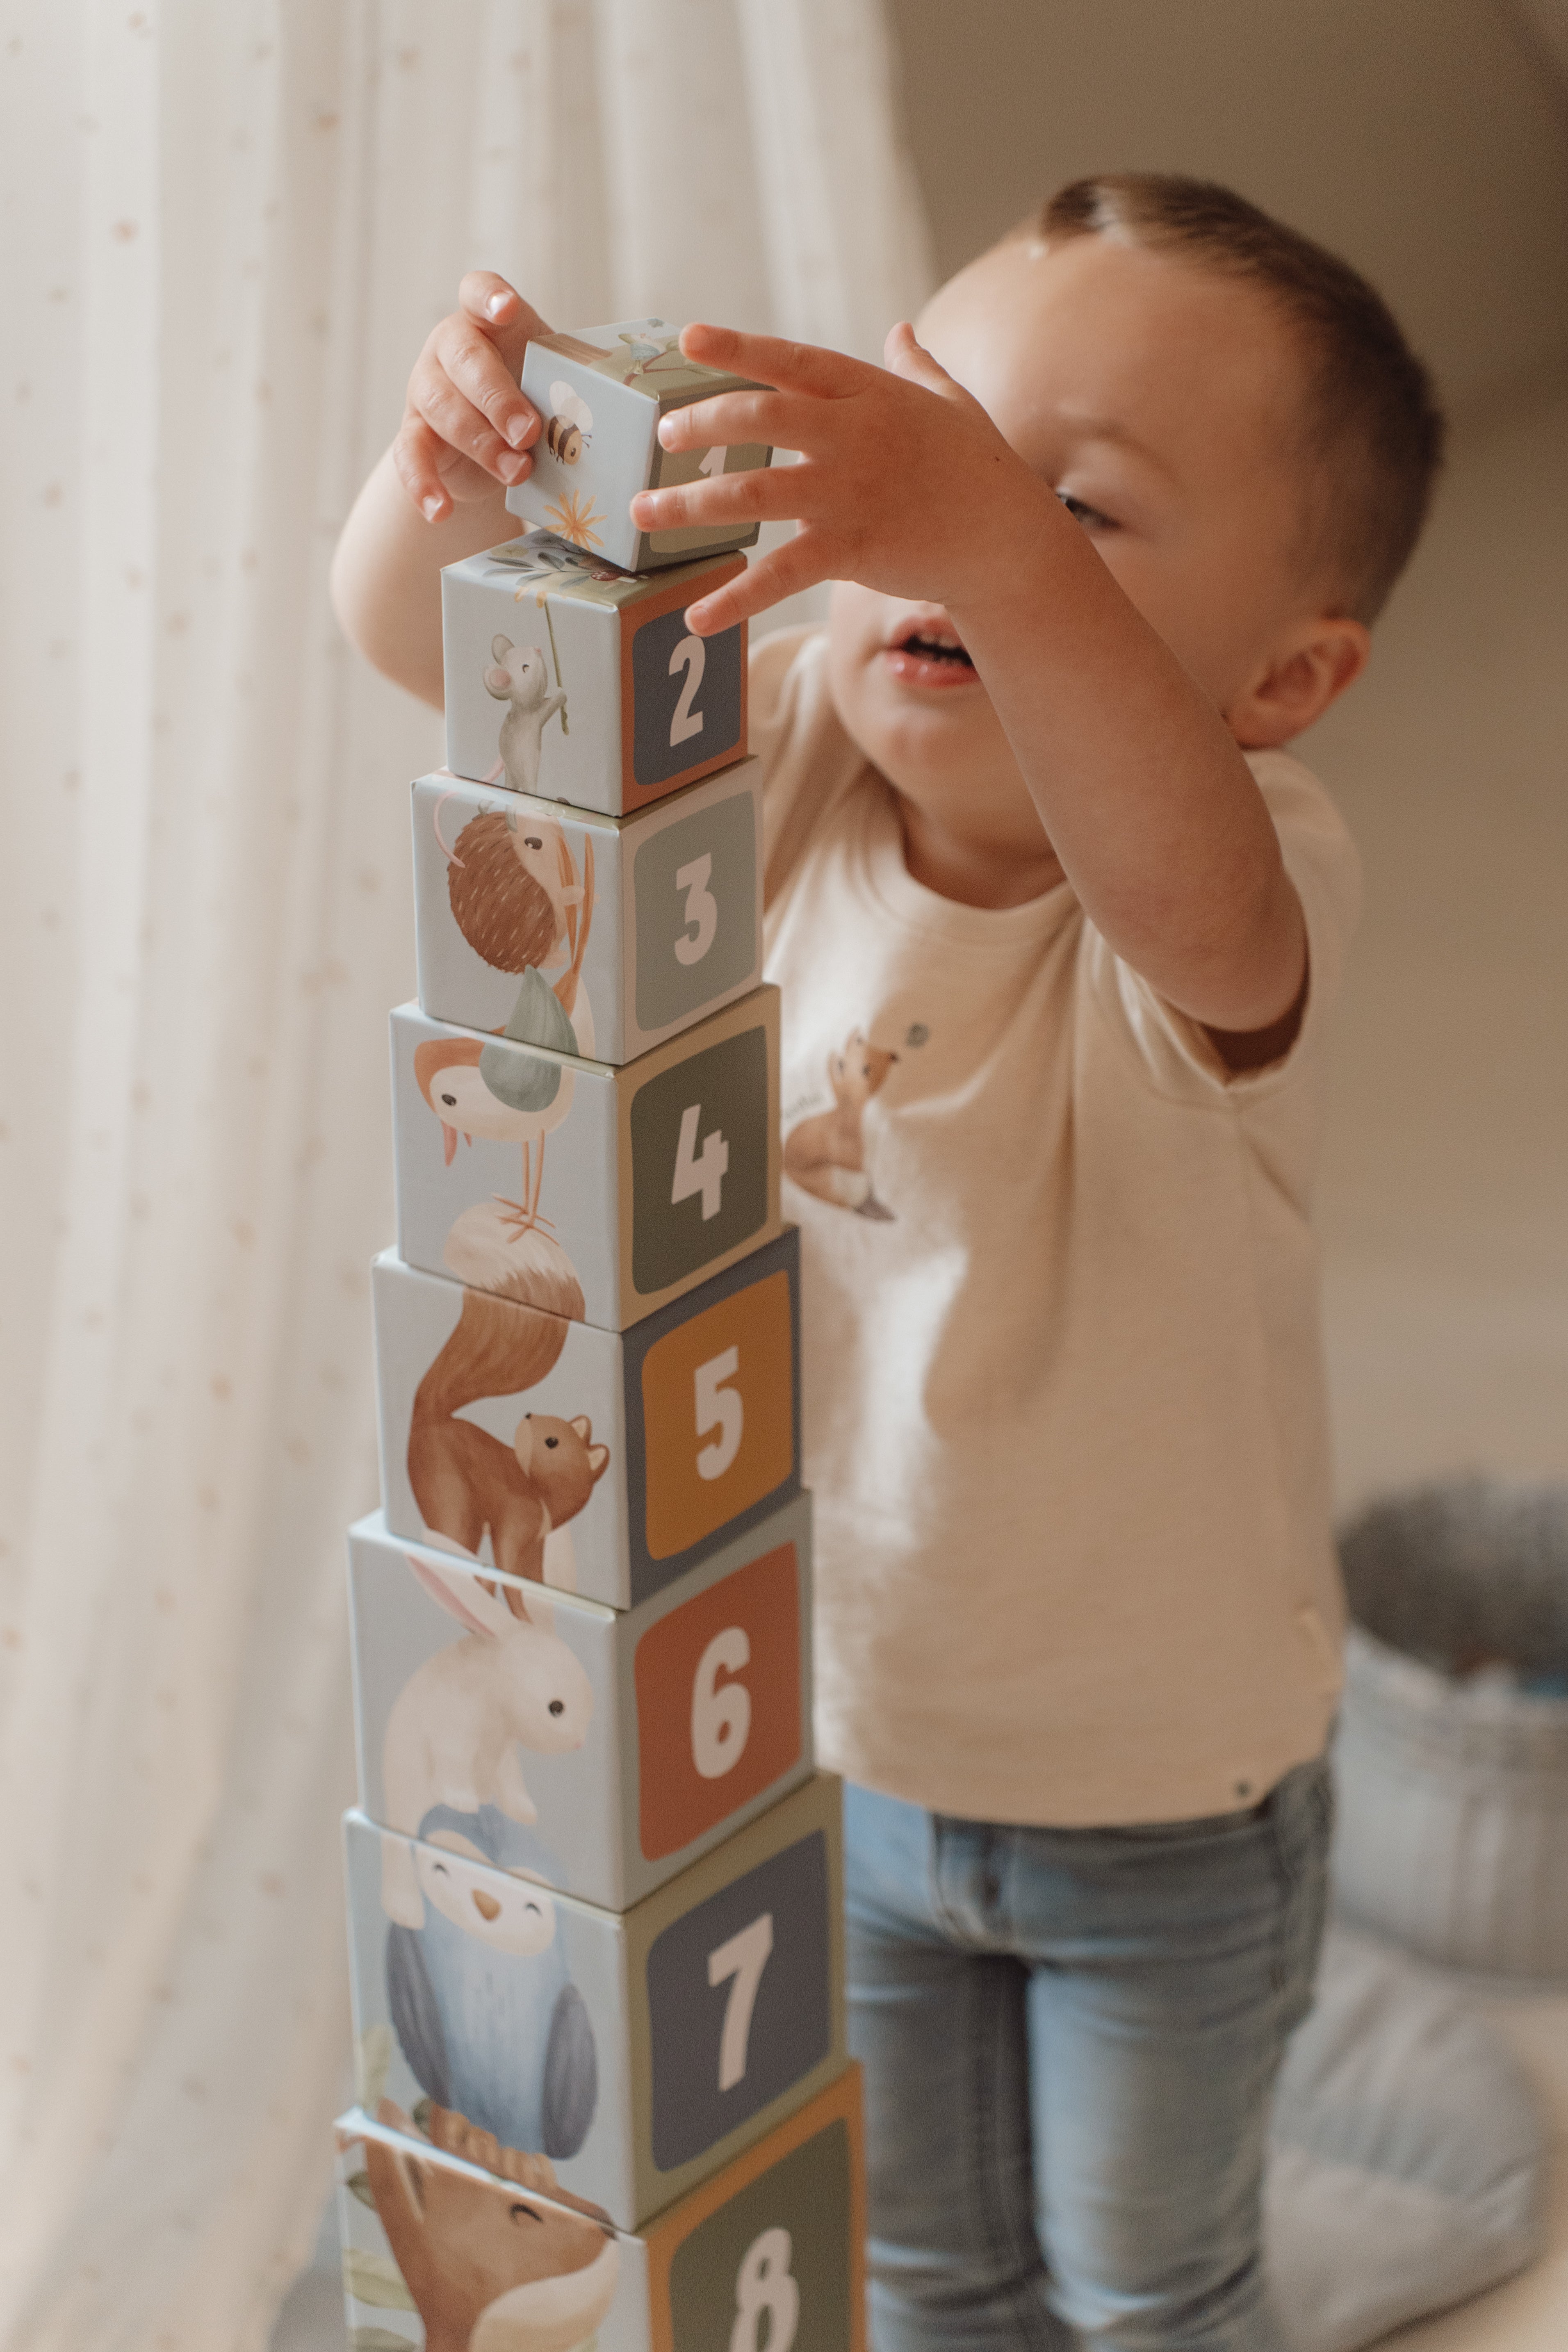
722,1712
744,1958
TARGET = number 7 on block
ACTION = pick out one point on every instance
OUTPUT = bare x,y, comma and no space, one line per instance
743,1957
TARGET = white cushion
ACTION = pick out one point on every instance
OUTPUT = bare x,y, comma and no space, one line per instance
1407,2157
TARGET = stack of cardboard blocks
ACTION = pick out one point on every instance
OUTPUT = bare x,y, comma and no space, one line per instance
595,1886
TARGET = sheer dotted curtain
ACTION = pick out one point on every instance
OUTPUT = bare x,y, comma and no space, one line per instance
226,231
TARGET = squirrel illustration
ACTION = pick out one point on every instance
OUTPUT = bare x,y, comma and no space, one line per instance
465,1481
827,1154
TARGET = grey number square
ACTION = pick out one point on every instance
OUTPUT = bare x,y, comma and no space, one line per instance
697,930
790,2027
680,720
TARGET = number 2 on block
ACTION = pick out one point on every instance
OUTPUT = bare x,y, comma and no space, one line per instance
764,2283
702,910
696,1172
743,1957
692,656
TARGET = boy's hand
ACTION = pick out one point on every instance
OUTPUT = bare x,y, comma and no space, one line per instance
465,427
899,470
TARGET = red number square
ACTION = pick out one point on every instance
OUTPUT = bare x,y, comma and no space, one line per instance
717,1692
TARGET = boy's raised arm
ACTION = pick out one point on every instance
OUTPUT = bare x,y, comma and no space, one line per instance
439,492
906,486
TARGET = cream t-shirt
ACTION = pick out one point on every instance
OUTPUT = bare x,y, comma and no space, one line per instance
1064,1414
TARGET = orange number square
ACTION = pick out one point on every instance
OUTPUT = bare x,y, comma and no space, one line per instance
718,1686
708,1459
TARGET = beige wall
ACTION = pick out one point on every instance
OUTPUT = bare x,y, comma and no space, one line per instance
1446,1184
1427,139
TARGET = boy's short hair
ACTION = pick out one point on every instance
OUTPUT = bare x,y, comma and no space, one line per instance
1373,431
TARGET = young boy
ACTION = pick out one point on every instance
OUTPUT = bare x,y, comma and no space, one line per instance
1058,924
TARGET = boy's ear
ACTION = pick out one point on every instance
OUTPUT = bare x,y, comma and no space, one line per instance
1309,668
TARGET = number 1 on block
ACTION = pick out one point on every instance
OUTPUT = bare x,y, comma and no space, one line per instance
743,1957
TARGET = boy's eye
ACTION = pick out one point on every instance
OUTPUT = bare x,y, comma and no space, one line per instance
1081,511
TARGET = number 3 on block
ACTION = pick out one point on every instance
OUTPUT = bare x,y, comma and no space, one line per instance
703,1172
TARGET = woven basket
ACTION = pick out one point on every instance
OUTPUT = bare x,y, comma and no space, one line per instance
1453,1780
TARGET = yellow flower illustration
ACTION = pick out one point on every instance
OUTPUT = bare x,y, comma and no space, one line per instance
573,516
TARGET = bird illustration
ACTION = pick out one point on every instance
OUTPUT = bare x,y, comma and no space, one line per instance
476,1089
481,1997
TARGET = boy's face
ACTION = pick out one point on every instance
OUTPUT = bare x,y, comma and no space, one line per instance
1164,403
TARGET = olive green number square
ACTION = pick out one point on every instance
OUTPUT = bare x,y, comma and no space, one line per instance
700,1160
695,886
772,2267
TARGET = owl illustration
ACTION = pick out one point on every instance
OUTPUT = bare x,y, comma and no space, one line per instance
481,1998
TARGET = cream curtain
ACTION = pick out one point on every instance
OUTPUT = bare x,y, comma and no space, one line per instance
226,231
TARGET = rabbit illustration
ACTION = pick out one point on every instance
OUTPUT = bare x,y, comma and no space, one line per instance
519,677
453,1730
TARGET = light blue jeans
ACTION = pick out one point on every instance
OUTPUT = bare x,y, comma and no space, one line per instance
1071,2040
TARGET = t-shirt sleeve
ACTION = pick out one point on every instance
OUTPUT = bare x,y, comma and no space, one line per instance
1177,1055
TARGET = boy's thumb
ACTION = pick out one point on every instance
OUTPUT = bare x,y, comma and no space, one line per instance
902,355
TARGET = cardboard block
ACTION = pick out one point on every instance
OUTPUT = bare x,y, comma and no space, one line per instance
632,1741
601,392
636,926
638,2051
592,1192
598,1462
457,2245
571,681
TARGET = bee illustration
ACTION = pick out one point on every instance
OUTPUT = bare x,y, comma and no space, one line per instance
571,425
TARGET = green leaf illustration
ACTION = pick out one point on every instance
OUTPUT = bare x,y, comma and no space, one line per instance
378,2339
358,2185
373,2279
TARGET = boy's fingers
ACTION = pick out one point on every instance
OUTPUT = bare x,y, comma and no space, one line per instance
792,367
910,361
783,420
801,563
433,395
416,456
759,495
467,355
501,310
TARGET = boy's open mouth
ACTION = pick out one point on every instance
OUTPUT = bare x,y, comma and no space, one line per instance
930,656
